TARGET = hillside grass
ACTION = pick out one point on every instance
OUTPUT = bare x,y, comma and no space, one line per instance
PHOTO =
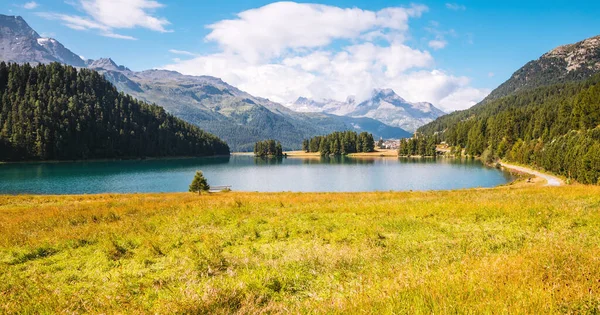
502,250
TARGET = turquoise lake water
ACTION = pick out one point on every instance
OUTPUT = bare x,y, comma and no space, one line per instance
246,173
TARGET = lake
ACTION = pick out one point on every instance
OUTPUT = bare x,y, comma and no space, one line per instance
246,173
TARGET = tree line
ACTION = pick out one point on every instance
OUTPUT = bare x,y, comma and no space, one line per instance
268,148
553,127
340,143
56,112
418,145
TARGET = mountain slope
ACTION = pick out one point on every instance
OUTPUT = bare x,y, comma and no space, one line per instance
57,112
306,105
236,116
556,126
575,62
20,43
384,105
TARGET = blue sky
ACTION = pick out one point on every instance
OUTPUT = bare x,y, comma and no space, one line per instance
466,47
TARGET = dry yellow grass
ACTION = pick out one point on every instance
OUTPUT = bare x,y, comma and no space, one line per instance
503,250
302,154
377,153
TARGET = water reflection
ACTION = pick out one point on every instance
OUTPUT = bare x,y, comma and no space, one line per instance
268,160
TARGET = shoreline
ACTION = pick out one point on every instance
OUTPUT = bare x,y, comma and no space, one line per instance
551,180
113,160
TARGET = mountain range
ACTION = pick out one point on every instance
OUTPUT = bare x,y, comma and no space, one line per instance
234,115
384,105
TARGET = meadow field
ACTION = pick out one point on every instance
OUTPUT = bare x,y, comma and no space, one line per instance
502,250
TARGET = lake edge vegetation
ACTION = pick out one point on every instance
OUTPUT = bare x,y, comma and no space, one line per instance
340,143
418,145
268,148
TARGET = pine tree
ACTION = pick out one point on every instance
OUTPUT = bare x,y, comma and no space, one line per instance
199,184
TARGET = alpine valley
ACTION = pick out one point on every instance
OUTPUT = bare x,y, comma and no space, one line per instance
233,115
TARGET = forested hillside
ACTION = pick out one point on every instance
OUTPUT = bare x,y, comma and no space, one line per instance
56,112
555,127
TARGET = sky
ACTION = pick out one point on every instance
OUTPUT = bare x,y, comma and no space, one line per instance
449,53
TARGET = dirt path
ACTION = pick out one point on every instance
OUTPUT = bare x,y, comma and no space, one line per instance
550,180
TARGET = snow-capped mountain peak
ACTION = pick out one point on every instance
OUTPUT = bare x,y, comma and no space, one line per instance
384,105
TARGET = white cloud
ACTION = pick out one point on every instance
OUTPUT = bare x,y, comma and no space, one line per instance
284,50
463,98
82,24
491,74
107,15
75,22
118,36
440,41
437,44
30,5
270,30
455,7
125,13
182,52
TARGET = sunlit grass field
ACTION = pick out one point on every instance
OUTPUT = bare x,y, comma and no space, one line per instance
503,250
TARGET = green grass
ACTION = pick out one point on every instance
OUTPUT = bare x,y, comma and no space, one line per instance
503,250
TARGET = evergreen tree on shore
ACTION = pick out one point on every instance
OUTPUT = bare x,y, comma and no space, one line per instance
340,143
268,148
418,145
199,183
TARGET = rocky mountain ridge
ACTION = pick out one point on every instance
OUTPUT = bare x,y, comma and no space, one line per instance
20,43
573,62
384,105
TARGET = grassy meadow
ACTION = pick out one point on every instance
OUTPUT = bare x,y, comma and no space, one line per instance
502,250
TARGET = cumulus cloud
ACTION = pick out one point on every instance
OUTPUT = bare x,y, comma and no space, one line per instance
30,5
463,98
285,50
270,30
107,15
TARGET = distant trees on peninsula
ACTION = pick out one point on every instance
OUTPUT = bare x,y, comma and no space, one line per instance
56,112
268,148
340,143
418,145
